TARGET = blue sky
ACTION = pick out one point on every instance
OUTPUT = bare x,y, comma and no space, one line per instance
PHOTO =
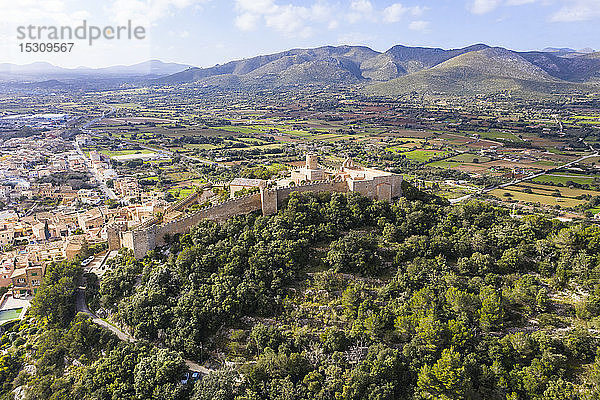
206,32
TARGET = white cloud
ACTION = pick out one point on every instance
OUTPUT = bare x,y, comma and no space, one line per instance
303,21
46,12
396,11
180,34
333,24
483,6
255,6
486,6
288,19
577,10
420,26
246,21
519,2
418,10
359,10
147,11
361,6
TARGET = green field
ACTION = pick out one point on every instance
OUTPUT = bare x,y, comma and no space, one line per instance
111,153
424,155
563,179
496,135
535,198
551,190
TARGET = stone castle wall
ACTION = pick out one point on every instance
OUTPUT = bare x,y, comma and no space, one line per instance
219,212
379,188
148,236
272,199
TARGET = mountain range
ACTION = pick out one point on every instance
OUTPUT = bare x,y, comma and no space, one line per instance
476,69
40,71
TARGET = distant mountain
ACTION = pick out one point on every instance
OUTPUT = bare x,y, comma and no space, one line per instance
42,71
402,60
559,50
326,64
401,69
569,68
151,67
492,70
476,69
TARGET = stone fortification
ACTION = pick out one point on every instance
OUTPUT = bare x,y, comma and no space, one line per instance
151,234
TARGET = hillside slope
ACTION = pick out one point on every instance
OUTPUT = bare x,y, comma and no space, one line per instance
476,69
486,71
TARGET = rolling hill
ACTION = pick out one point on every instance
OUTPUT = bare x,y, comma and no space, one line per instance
326,64
401,69
476,69
494,70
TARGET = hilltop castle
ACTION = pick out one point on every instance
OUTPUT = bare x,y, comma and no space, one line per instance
372,183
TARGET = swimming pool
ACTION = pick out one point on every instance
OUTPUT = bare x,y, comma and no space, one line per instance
10,315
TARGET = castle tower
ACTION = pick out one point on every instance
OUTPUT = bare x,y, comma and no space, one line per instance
311,161
268,200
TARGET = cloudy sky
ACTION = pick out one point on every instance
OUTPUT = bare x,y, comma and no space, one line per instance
207,32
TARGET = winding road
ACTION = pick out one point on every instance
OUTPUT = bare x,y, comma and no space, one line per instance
81,306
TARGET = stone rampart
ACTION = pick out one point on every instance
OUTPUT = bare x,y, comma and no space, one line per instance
151,234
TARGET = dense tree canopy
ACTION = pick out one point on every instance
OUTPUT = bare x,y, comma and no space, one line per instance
337,297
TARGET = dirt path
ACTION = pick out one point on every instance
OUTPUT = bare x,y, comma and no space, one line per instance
81,306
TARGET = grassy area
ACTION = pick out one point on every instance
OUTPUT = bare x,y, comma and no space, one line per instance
181,193
111,153
564,191
515,194
497,135
424,155
546,163
469,158
563,179
591,160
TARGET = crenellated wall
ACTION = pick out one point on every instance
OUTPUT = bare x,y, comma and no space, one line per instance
219,212
150,235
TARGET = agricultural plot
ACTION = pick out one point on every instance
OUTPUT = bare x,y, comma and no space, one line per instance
564,179
552,190
113,153
514,193
424,155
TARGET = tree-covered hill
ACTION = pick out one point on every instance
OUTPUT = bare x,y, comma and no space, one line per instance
334,297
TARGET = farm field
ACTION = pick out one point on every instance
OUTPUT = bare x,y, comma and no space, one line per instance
563,178
424,155
514,193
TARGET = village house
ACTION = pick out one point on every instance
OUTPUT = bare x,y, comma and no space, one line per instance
26,281
126,186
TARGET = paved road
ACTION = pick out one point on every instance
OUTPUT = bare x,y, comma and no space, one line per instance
107,191
81,306
527,178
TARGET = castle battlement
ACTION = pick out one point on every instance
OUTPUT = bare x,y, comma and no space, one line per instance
150,234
